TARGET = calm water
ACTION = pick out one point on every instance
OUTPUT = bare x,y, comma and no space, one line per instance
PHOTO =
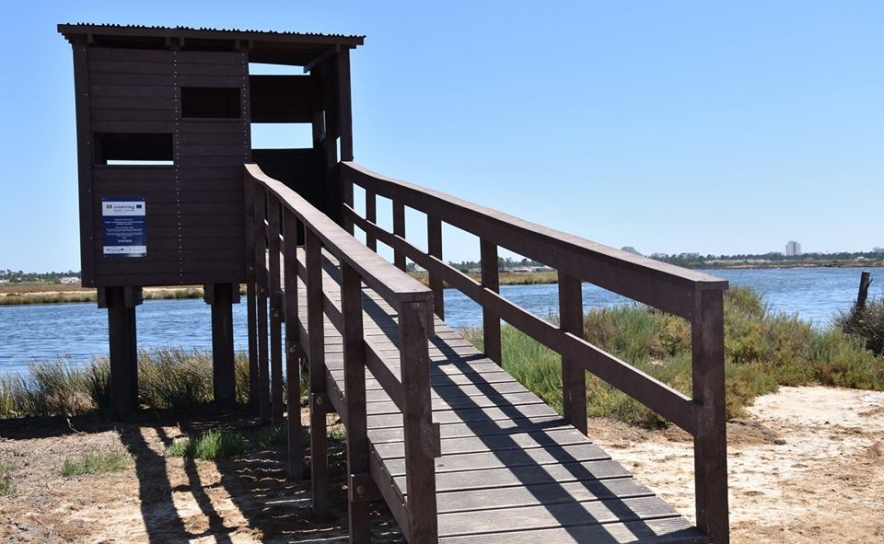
79,331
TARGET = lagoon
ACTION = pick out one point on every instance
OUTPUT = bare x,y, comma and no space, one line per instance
79,331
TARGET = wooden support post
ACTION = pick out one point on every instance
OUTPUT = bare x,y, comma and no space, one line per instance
573,375
263,294
434,246
292,348
417,416
223,358
399,230
865,280
276,316
354,387
710,442
345,108
251,295
123,348
371,215
490,281
319,403
346,201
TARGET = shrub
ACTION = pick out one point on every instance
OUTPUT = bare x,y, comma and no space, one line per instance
762,351
213,445
866,323
273,436
97,462
168,378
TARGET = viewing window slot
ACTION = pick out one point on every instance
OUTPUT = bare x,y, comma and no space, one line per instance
211,103
134,149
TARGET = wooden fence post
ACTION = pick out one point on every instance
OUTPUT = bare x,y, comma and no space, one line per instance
573,376
354,402
865,280
491,281
710,441
251,294
292,348
319,401
399,230
261,277
276,317
434,247
417,415
371,215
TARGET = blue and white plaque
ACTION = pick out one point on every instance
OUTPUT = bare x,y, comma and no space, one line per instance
124,234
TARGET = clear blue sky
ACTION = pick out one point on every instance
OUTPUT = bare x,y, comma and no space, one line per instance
670,126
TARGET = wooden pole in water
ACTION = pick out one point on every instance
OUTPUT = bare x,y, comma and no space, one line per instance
865,281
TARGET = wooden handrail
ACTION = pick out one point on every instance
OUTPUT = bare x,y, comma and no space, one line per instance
394,286
634,276
694,296
274,213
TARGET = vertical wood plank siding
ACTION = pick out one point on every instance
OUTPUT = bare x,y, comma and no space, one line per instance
137,92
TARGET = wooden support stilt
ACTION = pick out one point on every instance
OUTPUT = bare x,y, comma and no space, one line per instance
123,347
220,296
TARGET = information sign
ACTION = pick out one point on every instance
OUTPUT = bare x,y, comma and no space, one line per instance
124,234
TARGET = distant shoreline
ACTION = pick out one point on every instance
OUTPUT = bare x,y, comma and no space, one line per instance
15,294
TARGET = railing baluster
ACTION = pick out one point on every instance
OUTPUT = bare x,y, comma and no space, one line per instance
490,321
261,275
371,215
292,348
275,312
434,247
573,376
354,396
346,200
319,403
399,230
710,441
420,439
251,294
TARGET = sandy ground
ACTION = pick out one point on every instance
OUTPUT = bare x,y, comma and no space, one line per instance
806,466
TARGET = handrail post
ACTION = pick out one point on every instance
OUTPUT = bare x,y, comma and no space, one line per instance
261,276
276,316
420,437
371,215
399,230
346,200
490,281
355,397
573,376
251,293
292,348
710,441
434,248
319,405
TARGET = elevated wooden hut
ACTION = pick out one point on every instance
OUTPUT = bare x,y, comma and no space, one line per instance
164,124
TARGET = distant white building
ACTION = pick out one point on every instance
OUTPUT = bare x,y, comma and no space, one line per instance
793,249
71,280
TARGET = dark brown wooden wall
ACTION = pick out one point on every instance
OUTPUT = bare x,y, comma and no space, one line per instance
194,219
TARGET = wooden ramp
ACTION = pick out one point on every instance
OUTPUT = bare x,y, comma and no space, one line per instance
511,470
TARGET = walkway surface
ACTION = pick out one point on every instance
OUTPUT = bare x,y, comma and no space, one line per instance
511,470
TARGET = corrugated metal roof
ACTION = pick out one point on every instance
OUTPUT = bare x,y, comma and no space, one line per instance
165,29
